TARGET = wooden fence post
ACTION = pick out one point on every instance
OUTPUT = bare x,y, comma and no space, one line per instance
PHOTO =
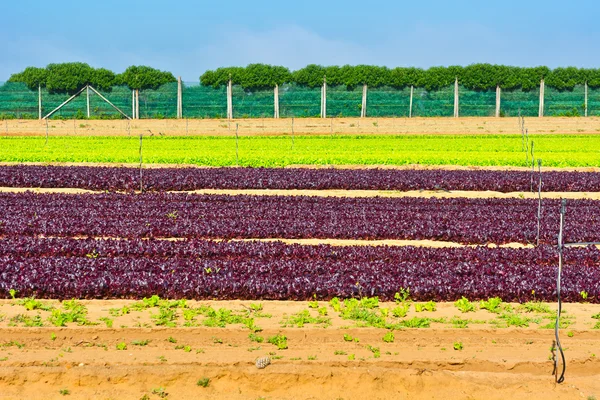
585,104
363,108
412,91
324,98
179,99
276,101
87,98
132,103
40,101
541,110
456,98
229,100
498,94
137,103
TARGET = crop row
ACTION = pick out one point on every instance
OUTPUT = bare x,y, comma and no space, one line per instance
70,268
170,179
278,151
475,221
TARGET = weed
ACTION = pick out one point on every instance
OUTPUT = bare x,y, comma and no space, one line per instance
255,338
26,320
402,296
171,339
279,340
389,337
107,321
64,392
375,350
458,322
400,311
256,307
429,306
303,317
339,353
492,304
464,305
348,338
415,322
53,336
536,306
30,303
351,357
74,311
140,342
204,382
165,317
312,358
160,392
570,334
216,340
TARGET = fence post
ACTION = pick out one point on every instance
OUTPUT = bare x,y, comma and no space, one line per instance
229,99
87,98
137,103
412,90
40,101
363,108
179,99
498,94
276,101
456,98
541,110
132,103
324,98
586,99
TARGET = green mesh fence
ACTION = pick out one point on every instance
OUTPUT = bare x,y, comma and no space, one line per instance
438,103
564,103
17,101
594,102
513,101
298,101
204,101
388,102
159,103
476,103
252,104
342,102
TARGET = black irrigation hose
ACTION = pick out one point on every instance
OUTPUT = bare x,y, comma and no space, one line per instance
561,378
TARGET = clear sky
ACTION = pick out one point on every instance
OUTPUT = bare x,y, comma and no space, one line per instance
188,37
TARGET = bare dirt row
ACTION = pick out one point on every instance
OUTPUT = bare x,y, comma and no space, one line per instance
134,358
302,126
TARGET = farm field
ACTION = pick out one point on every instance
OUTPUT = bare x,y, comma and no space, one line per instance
412,282
280,151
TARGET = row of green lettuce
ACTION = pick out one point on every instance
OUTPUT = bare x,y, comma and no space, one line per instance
70,77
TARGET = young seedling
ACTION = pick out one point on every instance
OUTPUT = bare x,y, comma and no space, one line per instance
279,340
458,346
389,337
464,305
122,346
204,382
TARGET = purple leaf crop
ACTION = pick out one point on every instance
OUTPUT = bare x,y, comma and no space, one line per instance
71,268
177,179
471,221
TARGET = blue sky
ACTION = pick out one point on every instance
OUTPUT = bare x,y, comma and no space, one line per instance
188,37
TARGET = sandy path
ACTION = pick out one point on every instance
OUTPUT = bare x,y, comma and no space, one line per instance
303,126
420,364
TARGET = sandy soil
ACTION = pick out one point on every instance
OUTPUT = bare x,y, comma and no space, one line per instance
495,362
303,126
440,194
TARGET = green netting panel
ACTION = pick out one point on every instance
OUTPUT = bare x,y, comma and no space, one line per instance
564,103
438,103
17,101
76,108
204,101
299,101
159,103
252,104
120,96
473,103
388,102
342,102
514,100
594,102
